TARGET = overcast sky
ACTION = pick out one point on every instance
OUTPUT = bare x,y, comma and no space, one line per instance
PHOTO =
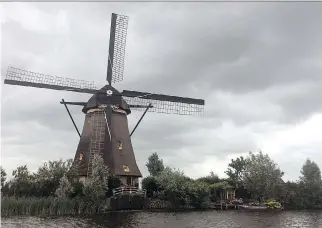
257,65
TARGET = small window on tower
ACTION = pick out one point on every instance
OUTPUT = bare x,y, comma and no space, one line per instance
126,168
119,145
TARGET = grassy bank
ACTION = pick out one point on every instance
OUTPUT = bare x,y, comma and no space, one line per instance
49,206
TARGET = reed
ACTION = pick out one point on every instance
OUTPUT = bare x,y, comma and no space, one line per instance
48,206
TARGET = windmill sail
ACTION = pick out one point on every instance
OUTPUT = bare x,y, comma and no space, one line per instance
164,103
116,55
21,77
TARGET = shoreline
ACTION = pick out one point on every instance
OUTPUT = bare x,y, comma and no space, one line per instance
44,207
157,211
149,210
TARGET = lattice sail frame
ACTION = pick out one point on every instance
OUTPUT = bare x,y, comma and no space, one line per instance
119,47
17,76
166,107
59,83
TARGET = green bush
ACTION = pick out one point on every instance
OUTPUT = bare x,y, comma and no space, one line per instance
176,188
151,185
273,204
174,185
78,187
198,194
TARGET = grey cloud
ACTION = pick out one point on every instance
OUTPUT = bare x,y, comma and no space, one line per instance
202,58
303,104
246,60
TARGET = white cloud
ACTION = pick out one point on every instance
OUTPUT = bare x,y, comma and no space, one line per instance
284,144
31,18
294,144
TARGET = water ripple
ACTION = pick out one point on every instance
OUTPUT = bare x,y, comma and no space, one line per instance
209,219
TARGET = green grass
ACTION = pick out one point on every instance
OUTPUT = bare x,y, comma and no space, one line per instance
47,206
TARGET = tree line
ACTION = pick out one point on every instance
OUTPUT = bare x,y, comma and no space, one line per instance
57,179
55,189
255,177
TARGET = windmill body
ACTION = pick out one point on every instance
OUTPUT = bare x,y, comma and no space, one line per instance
105,130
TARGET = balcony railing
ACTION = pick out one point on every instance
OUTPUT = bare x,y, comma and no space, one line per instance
128,191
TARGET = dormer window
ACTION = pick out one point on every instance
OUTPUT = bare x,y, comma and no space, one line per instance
126,168
119,145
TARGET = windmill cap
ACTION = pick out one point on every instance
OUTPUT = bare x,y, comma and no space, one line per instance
107,96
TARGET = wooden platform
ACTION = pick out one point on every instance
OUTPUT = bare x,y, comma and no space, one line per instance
226,206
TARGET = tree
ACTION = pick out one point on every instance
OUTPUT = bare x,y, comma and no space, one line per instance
3,176
22,181
49,175
97,187
262,177
53,170
154,164
310,185
210,179
311,173
174,184
235,170
65,188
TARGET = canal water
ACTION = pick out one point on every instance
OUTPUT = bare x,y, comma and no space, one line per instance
209,219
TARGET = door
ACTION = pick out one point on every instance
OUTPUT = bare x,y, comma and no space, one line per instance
128,181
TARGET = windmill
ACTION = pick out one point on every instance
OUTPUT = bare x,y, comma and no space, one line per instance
105,130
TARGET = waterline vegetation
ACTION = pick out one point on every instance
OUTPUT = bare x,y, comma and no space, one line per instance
54,190
47,206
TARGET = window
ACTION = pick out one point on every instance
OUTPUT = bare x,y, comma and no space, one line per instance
126,168
119,145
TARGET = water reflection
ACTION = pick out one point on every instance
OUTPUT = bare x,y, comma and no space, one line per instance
210,219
